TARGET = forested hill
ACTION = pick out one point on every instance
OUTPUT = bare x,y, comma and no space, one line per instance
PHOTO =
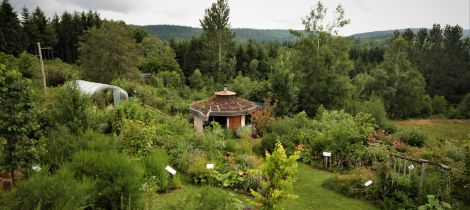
168,32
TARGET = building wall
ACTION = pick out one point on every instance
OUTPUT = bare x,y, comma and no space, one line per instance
199,123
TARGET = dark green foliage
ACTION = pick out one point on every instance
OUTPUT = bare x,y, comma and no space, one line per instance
290,131
70,108
399,83
61,144
107,53
57,191
11,34
246,88
439,105
412,136
158,56
196,80
209,198
69,28
464,107
57,73
218,42
322,72
374,106
18,119
284,90
37,28
117,177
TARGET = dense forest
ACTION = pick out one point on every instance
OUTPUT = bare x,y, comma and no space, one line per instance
321,92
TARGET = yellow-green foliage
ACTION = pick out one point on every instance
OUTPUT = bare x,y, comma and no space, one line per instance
278,175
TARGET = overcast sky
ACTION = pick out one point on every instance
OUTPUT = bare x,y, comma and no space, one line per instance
366,15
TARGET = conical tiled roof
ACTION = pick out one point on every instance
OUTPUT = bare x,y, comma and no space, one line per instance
223,103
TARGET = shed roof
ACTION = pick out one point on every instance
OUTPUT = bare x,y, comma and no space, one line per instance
224,103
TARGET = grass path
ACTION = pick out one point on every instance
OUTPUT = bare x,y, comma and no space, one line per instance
313,196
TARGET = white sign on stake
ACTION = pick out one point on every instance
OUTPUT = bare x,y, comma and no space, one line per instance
368,183
210,166
171,170
410,167
327,154
36,168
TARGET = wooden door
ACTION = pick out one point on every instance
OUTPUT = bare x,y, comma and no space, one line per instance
235,122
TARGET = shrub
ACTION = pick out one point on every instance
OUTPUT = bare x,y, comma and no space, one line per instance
278,175
209,198
57,191
58,72
117,178
352,184
464,107
412,136
136,138
439,105
374,106
155,173
70,108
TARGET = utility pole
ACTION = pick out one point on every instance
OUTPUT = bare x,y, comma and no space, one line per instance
42,69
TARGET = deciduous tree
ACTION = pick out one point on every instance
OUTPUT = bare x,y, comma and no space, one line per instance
108,52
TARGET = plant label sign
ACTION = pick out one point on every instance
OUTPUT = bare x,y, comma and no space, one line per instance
210,166
368,183
410,167
171,170
327,154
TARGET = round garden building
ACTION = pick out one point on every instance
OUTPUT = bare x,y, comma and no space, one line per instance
225,108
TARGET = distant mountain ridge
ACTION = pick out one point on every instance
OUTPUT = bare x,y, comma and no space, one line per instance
168,32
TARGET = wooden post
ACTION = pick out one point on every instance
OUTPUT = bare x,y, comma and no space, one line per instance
387,172
42,69
421,181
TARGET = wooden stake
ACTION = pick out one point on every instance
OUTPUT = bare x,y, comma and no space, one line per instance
421,181
42,69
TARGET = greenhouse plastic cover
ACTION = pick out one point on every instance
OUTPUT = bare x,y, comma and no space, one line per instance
89,88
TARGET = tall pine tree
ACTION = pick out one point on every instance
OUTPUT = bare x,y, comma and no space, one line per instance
218,41
11,34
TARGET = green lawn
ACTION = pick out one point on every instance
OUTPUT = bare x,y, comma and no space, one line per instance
313,196
437,129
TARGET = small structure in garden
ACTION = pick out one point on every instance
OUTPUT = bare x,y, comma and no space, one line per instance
225,108
102,92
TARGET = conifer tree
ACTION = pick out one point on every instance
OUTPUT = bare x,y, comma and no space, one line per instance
219,41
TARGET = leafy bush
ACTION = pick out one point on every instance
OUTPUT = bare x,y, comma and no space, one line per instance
412,136
60,145
352,184
58,72
118,179
70,108
464,107
434,203
57,191
374,106
155,173
290,131
136,138
209,198
439,105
